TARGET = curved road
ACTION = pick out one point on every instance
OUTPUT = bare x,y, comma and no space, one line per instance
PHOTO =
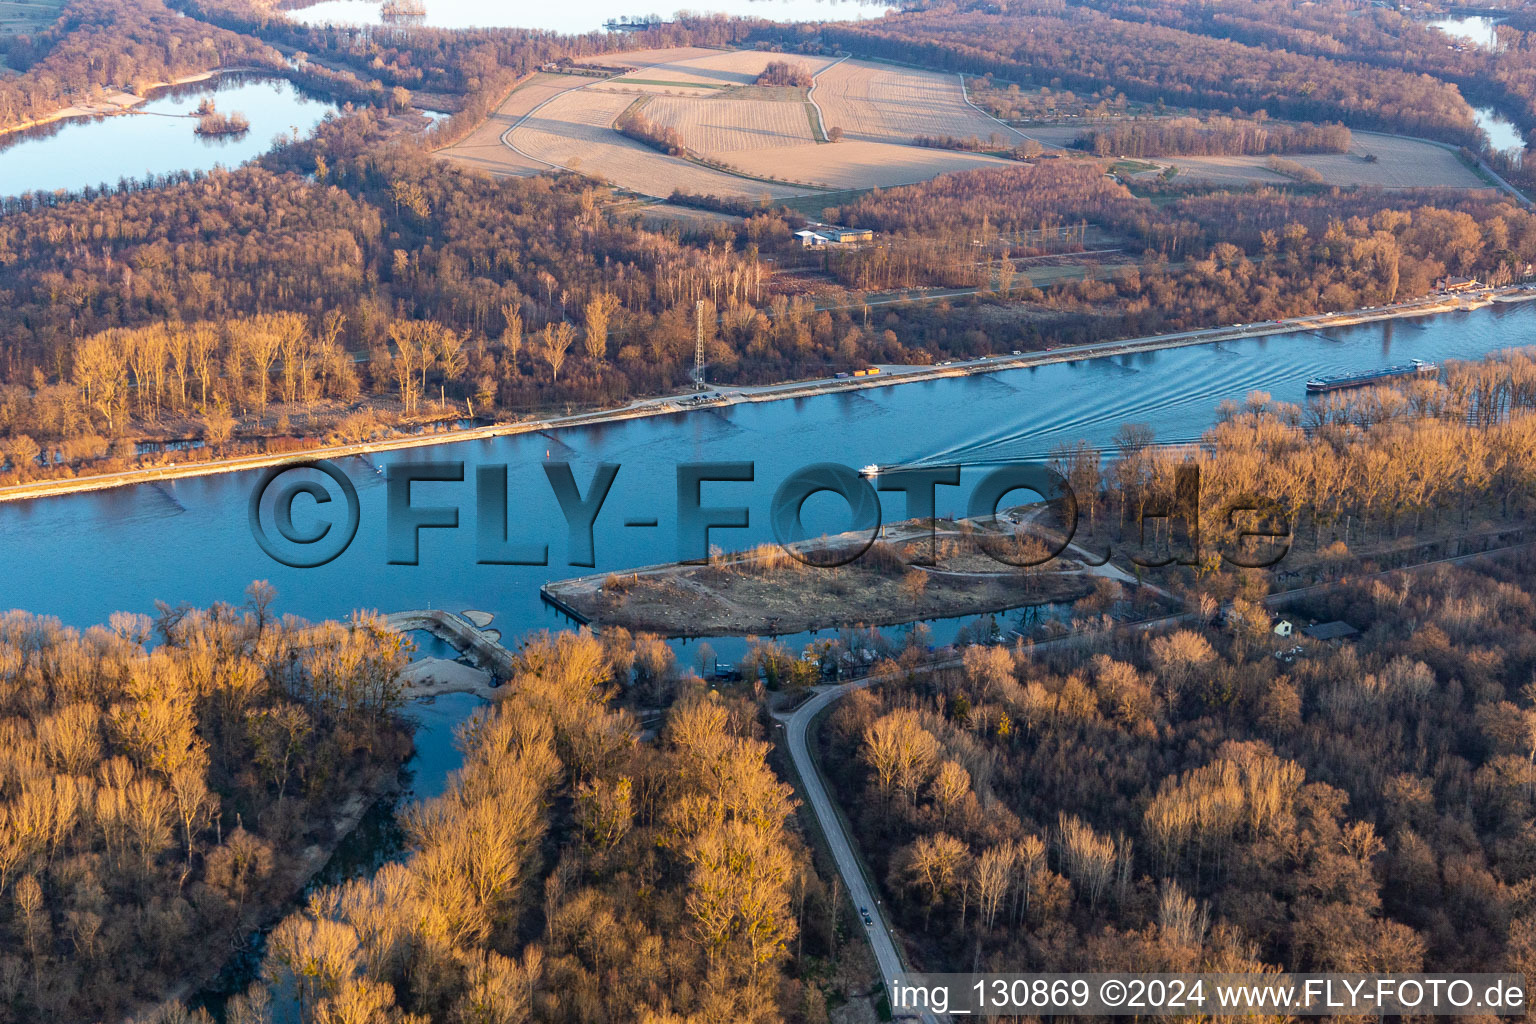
880,934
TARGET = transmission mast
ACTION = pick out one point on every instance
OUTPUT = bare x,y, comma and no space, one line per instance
698,346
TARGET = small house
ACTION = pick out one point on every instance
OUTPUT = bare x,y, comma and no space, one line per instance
809,238
1457,284
1284,628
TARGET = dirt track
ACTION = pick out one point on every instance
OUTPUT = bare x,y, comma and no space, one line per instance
483,149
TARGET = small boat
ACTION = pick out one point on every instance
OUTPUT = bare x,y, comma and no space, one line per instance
871,470
1340,381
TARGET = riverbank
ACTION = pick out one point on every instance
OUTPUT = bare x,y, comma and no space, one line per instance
490,662
329,834
670,405
768,592
120,101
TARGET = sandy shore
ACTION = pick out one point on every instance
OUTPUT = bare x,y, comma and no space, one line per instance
121,102
433,677
671,405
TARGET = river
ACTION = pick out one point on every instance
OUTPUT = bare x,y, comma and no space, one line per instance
582,15
80,557
158,138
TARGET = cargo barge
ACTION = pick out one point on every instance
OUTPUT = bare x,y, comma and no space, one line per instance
1340,381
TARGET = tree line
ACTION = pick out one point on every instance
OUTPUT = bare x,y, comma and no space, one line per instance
1217,136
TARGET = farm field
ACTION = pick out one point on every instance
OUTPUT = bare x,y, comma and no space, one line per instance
483,149
28,16
574,130
725,124
1399,163
707,97
698,66
873,103
847,165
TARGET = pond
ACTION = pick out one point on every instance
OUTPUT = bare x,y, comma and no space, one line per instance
1476,29
158,138
579,16
1502,134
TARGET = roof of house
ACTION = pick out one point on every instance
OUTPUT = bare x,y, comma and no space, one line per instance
1335,630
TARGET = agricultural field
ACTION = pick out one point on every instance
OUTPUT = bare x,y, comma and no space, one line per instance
700,67
575,131
707,97
483,149
28,16
1398,163
847,165
719,125
873,103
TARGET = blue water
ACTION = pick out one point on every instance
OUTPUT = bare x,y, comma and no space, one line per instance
90,151
81,557
582,15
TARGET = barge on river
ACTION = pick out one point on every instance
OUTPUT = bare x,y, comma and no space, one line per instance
1340,381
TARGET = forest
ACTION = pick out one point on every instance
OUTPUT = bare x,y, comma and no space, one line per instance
1082,49
166,784
572,873
1212,796
1368,36
241,308
1189,802
104,45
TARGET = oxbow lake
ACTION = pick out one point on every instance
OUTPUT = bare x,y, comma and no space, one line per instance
579,16
1478,30
158,138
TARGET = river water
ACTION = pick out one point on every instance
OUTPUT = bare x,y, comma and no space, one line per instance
159,139
81,557
1502,133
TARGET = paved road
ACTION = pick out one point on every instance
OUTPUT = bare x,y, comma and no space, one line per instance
880,934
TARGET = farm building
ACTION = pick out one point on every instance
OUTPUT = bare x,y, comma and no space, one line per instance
1335,630
824,234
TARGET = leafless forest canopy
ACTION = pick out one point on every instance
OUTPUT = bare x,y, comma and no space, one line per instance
622,842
